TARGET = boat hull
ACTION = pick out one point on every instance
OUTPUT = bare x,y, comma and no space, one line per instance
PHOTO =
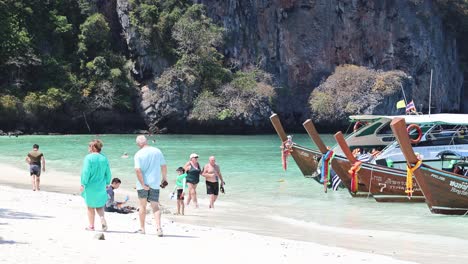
388,184
306,159
341,166
446,193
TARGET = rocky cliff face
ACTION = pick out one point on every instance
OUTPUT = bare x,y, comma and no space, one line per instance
302,41
146,64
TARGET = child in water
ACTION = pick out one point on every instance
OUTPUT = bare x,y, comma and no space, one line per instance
180,186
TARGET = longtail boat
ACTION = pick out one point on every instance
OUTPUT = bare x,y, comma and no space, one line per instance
338,162
446,192
306,159
384,183
432,135
383,169
369,132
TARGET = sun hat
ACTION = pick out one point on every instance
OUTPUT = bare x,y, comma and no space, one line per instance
194,155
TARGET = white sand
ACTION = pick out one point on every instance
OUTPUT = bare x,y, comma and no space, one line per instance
48,227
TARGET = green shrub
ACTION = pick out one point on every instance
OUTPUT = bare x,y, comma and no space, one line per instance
8,106
206,107
225,113
52,100
353,90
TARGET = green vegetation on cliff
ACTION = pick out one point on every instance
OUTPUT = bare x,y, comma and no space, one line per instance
59,59
64,60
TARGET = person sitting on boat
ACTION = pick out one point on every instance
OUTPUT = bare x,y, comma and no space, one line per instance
356,152
375,152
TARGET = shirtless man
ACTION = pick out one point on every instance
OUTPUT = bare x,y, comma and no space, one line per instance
35,159
212,173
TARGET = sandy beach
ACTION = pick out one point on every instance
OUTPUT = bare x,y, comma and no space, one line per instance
48,227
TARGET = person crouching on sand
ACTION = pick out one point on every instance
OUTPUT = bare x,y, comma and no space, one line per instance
95,176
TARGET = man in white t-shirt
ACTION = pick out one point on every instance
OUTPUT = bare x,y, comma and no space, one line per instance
149,165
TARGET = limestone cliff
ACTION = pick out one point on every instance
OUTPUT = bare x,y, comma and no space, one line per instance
301,42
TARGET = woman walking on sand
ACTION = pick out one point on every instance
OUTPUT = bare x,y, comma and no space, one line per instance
95,176
192,168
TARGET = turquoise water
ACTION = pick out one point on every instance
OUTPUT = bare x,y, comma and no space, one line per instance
260,196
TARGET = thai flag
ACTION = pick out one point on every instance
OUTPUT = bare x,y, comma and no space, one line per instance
410,107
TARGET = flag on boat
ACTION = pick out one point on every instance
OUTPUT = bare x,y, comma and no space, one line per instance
410,107
400,104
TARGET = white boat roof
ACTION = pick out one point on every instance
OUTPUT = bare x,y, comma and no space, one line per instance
452,119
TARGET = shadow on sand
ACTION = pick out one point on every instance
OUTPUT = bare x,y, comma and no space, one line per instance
10,242
11,214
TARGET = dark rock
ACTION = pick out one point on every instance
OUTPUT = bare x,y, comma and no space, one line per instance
99,236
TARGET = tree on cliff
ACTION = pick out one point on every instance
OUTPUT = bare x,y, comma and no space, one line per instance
198,41
354,90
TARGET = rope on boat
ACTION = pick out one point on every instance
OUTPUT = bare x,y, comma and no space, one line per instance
353,172
326,168
409,177
370,182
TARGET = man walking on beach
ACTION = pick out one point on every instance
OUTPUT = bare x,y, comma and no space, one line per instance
35,159
212,173
149,165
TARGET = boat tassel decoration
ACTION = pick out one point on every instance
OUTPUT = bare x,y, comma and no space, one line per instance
326,168
353,172
286,150
409,178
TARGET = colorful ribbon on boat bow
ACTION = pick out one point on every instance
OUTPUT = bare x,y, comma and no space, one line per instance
326,165
409,177
286,149
353,172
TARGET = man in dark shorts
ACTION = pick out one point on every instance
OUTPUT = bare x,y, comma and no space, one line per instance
36,160
149,165
212,173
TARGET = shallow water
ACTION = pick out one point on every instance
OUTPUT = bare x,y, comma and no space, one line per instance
262,198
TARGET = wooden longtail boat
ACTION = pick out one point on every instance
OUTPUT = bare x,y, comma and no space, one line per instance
384,183
446,192
338,163
306,159
372,135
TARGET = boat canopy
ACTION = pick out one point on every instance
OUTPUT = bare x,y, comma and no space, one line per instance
450,119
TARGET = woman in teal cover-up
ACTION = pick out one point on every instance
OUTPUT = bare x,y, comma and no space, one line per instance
95,176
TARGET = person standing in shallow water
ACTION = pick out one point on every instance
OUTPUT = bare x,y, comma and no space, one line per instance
192,168
95,177
35,159
212,173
